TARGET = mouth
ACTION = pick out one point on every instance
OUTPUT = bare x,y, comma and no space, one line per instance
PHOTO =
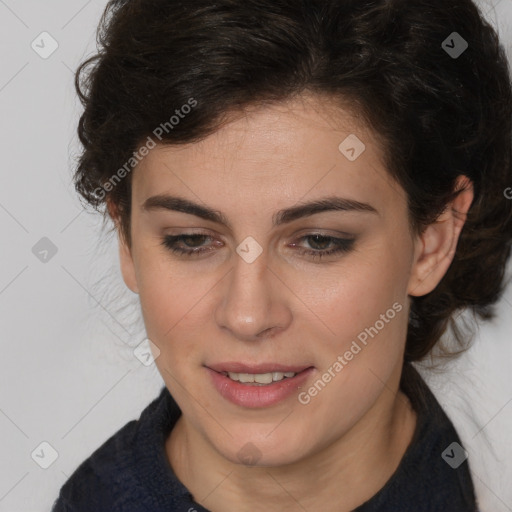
258,375
259,379
258,385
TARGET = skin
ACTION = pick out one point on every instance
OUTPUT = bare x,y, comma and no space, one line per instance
336,452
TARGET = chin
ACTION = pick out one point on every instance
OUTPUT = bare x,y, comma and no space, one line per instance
261,451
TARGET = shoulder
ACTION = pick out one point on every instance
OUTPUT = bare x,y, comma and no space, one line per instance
111,476
433,473
94,484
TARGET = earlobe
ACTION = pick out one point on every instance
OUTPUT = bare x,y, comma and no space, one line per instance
435,247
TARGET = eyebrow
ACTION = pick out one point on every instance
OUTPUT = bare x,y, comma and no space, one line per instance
331,203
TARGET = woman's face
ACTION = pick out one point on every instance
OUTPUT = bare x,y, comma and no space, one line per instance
255,296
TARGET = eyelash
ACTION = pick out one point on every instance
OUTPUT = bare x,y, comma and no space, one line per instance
343,245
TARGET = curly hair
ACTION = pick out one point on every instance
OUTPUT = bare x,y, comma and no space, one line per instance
437,114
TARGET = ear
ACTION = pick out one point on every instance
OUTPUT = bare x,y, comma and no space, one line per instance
125,254
435,248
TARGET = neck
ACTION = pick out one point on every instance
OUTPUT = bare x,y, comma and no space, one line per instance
347,472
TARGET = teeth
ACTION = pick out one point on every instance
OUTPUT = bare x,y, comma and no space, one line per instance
245,377
260,378
263,378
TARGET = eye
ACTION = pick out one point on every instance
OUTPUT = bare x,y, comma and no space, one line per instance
338,245
192,244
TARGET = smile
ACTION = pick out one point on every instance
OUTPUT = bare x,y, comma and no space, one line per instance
260,387
259,379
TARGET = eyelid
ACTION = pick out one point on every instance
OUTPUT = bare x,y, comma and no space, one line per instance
331,233
310,231
340,245
301,234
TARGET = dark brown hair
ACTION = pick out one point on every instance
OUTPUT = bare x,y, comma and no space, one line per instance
438,114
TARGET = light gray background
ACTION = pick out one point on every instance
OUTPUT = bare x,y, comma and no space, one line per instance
68,375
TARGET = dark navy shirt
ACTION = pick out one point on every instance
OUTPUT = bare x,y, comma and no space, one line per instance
130,472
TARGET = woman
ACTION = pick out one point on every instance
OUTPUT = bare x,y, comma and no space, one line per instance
305,192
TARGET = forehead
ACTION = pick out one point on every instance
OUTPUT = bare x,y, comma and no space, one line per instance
281,152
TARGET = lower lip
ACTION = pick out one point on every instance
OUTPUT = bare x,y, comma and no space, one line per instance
246,395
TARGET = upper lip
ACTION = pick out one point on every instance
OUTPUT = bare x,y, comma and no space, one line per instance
235,367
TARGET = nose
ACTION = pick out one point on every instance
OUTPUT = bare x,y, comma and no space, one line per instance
254,302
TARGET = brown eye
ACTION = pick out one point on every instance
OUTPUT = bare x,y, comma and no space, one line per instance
320,244
186,244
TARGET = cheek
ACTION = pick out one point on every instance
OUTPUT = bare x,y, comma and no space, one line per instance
174,304
352,296
368,310
163,293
